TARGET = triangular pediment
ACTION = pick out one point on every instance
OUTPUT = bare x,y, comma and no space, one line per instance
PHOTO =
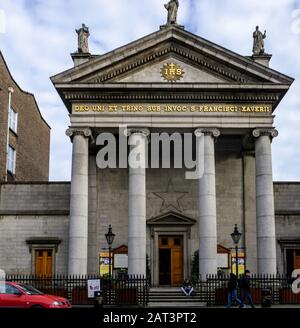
141,62
171,218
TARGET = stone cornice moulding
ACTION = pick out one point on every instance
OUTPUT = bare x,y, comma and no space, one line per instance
81,96
207,64
180,39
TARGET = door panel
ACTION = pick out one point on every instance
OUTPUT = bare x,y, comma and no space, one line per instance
296,259
8,297
170,260
177,267
165,266
43,262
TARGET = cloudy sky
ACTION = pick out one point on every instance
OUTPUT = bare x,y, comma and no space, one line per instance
37,36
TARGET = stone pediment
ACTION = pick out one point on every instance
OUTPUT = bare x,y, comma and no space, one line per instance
171,218
142,60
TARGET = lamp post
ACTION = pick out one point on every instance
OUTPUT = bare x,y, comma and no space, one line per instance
236,236
110,239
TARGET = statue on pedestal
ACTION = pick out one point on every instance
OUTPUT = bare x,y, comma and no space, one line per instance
258,43
172,7
83,35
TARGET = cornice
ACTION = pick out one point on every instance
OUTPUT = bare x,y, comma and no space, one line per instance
198,59
167,96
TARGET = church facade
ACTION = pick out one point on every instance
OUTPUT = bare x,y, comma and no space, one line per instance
207,104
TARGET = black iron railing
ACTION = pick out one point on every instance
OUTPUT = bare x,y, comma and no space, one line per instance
134,290
130,290
214,289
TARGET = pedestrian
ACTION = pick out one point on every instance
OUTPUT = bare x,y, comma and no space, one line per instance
187,287
232,290
245,284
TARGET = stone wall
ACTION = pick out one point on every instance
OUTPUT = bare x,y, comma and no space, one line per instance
287,210
32,211
41,210
108,200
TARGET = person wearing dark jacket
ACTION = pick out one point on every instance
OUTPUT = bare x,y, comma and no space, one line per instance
245,284
232,290
187,287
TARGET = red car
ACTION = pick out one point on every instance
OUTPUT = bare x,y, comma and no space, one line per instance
24,296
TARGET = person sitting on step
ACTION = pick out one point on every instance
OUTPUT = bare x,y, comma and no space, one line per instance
187,287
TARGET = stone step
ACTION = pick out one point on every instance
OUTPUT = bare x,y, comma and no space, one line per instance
176,304
173,301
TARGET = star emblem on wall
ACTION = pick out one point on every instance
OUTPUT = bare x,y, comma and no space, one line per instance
171,198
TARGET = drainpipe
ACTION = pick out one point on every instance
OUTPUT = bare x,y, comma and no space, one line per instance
10,92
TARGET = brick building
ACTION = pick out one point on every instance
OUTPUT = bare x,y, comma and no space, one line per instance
27,158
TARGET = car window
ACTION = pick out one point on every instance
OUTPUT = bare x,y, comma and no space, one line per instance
8,289
29,290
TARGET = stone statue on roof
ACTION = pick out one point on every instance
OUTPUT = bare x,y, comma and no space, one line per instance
259,43
83,35
172,8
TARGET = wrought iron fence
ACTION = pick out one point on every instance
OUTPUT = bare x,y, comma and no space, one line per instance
214,289
130,290
134,290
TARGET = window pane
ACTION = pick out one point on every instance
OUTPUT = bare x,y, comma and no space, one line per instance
11,160
177,241
13,120
164,241
11,290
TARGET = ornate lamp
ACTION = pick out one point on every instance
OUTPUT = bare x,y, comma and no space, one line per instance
236,236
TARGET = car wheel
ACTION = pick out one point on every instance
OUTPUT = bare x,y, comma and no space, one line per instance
37,307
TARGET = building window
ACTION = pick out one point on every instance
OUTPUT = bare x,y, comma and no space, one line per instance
292,260
11,160
43,254
177,241
44,262
13,120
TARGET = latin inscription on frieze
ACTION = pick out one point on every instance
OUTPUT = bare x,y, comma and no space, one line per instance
172,108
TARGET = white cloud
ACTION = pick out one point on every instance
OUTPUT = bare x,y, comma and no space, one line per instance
40,35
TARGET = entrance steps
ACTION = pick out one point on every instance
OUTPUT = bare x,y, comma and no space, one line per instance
172,297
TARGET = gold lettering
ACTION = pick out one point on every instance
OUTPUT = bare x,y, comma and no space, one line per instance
112,108
153,108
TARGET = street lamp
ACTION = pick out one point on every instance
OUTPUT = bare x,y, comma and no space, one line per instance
110,239
236,236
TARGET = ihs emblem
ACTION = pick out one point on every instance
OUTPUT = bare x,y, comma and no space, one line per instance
172,72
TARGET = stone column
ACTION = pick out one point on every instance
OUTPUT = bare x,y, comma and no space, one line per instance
78,226
249,207
137,202
207,206
265,216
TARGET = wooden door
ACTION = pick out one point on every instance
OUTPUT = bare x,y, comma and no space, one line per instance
43,262
177,268
170,260
296,259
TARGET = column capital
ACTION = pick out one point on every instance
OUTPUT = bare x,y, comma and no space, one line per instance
271,132
85,132
145,132
213,132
